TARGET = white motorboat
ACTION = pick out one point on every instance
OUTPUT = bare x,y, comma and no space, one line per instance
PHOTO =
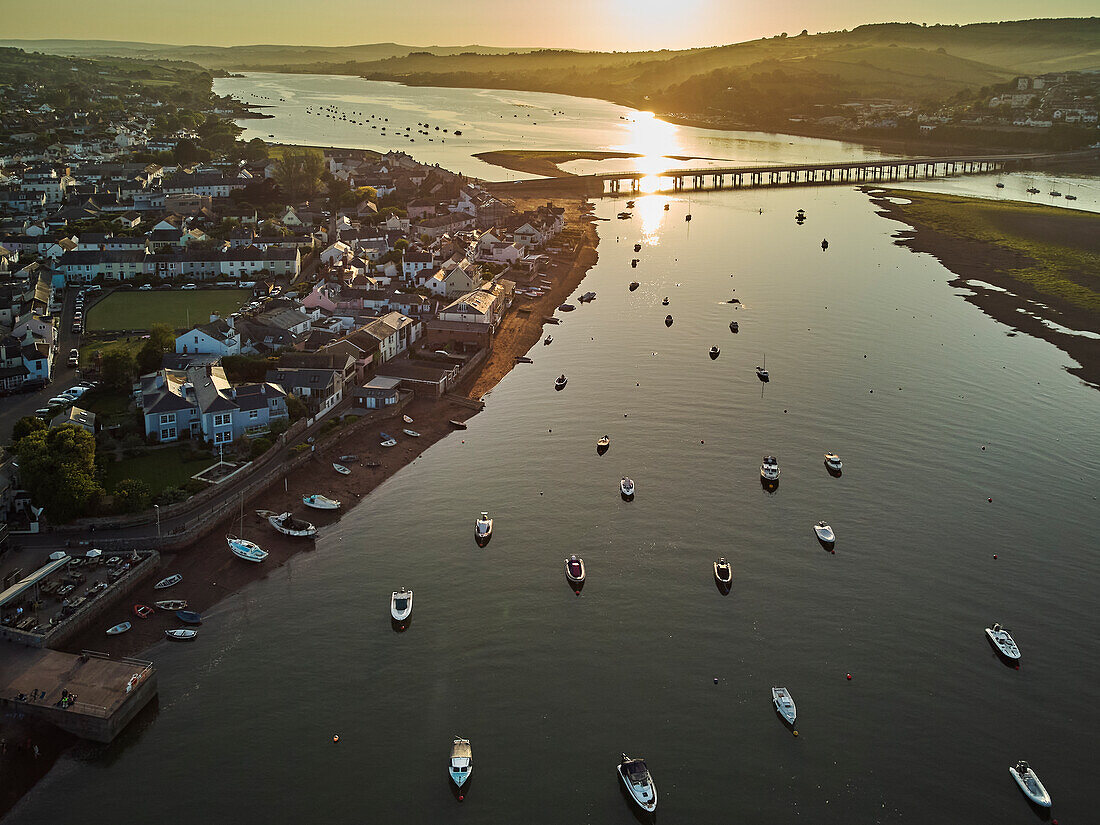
320,502
784,704
574,569
560,382
411,433
172,605
341,469
483,529
244,549
169,581
286,524
626,487
119,628
638,782
401,605
833,462
407,419
1029,783
1003,641
769,468
723,572
182,634
824,533
462,761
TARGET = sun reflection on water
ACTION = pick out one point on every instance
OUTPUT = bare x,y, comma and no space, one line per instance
654,140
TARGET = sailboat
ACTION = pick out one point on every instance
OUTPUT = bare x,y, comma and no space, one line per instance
762,372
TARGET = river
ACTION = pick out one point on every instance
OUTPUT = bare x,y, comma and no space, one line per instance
872,355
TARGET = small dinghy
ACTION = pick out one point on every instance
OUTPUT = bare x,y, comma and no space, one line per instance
189,616
1003,641
483,529
587,298
170,581
411,433
734,301
637,247
548,340
664,303
286,524
341,469
172,604
244,549
1029,783
668,320
348,459
638,782
784,704
401,604
603,444
626,487
119,628
634,263
733,326
574,569
462,762
182,634
1000,186
723,572
387,440
714,353
567,307
560,382
824,533
407,419
666,207
143,611
833,463
320,502
634,285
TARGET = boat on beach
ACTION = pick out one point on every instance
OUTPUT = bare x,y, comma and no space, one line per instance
348,459
119,628
407,419
387,440
286,524
1003,641
411,433
246,550
784,704
723,572
189,616
574,569
1029,783
639,784
143,611
483,529
401,604
461,763
626,487
182,634
172,605
341,469
169,581
320,502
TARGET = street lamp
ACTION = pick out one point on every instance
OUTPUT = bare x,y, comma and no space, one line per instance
157,508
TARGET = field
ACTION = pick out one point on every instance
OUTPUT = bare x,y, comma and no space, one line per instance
137,310
160,469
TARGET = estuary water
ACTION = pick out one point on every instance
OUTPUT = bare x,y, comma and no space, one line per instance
871,355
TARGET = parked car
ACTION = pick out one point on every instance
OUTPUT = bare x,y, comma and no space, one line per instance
59,401
74,357
189,286
145,287
43,412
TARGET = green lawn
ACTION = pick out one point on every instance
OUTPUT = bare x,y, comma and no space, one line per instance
88,350
159,469
138,310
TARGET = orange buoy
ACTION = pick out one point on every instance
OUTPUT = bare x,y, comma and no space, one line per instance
335,737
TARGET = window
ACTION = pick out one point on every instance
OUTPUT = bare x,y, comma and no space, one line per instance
253,413
167,418
167,433
221,419
223,438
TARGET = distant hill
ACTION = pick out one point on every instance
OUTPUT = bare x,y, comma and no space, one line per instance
240,57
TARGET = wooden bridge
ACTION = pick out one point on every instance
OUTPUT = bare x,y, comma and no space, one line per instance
737,177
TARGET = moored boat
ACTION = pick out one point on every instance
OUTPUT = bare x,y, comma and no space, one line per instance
1003,641
723,572
574,569
548,340
824,533
168,581
639,784
341,469
172,605
626,487
461,764
143,611
119,628
714,353
483,529
637,247
244,549
560,382
733,326
833,463
401,604
634,285
769,468
603,444
567,307
189,616
1029,783
286,524
182,634
784,704
762,374
320,502
668,320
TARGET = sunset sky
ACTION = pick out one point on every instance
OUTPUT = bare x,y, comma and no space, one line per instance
582,24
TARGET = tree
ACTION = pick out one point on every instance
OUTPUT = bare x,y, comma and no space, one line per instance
25,426
295,407
255,150
58,468
162,338
131,495
119,369
299,173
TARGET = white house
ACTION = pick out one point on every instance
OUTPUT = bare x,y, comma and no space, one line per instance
216,338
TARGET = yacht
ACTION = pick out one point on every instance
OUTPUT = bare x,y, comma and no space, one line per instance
1029,783
824,533
574,569
462,761
784,704
401,604
320,502
244,549
769,468
714,353
483,529
762,374
833,463
626,486
638,782
1004,641
723,572
560,382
